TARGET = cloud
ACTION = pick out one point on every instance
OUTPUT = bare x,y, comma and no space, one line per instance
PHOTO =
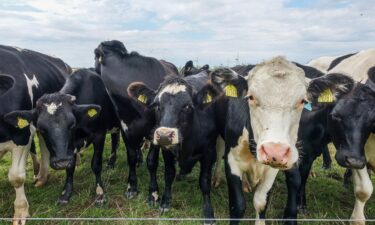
214,32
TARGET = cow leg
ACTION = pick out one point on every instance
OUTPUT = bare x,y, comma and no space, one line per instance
115,141
34,158
131,152
152,165
304,170
96,166
17,176
362,189
205,175
237,204
68,187
293,182
220,149
169,175
327,161
262,192
42,177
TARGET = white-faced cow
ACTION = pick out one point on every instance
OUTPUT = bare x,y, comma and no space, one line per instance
25,75
65,121
351,120
326,63
118,68
185,130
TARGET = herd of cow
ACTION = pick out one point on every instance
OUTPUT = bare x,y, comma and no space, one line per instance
275,115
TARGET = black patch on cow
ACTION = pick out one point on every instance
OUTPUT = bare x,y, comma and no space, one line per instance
338,60
310,72
243,70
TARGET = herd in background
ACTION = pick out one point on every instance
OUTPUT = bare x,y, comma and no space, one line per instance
275,115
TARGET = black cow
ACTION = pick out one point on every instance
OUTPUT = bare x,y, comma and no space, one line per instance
189,69
64,121
25,75
119,68
185,130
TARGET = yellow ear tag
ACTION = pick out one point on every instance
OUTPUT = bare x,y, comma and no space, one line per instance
92,112
208,98
231,91
326,96
142,98
22,123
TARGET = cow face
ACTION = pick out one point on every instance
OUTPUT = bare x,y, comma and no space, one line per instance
57,117
276,94
175,105
352,117
105,49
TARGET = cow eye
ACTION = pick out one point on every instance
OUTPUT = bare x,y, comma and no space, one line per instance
251,99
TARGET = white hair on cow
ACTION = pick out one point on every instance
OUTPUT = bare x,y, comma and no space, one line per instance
52,107
172,89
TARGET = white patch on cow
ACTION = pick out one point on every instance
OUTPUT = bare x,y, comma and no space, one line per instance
172,89
124,126
30,83
175,137
155,195
52,107
220,150
357,65
99,190
263,188
322,63
278,86
18,49
362,189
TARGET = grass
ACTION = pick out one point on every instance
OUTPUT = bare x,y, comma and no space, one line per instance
326,196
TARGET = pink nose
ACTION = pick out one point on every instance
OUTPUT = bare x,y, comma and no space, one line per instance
274,154
164,136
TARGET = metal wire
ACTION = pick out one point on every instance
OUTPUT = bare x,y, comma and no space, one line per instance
184,219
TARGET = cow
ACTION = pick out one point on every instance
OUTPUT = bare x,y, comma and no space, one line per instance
118,68
185,130
350,120
65,121
189,69
326,63
261,134
25,75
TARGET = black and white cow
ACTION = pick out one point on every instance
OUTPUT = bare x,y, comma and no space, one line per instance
119,68
351,120
25,75
185,130
64,120
190,69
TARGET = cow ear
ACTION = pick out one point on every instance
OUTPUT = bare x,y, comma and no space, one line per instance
329,88
206,95
141,93
86,113
229,82
21,119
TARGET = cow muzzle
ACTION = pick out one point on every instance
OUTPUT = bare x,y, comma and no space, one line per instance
350,161
60,164
275,154
165,136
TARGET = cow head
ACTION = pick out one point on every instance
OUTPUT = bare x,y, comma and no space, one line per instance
352,116
227,80
105,49
175,103
56,117
189,69
276,97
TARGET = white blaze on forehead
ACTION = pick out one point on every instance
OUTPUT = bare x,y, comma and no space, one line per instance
52,107
30,83
172,89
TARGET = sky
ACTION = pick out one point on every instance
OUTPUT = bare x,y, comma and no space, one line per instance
218,33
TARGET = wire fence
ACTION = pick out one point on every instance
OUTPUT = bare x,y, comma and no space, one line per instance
187,219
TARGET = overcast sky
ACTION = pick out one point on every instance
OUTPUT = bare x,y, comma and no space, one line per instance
212,32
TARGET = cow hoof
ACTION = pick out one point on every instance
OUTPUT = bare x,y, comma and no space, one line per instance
20,217
164,209
39,181
153,199
131,194
62,202
100,200
19,221
215,182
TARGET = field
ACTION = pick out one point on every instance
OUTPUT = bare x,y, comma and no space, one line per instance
326,196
